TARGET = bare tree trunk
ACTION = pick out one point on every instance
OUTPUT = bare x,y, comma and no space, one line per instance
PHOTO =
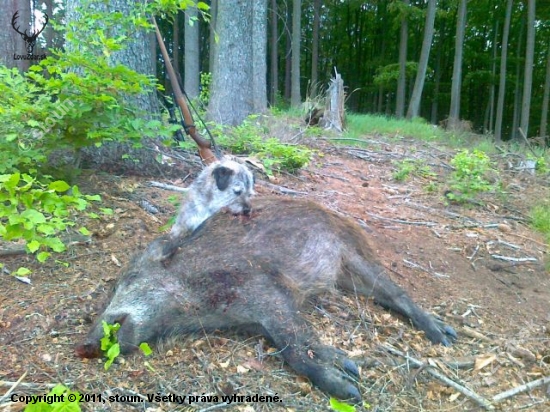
12,45
191,69
454,112
491,104
288,52
295,95
212,41
176,43
545,98
259,50
274,54
315,48
502,80
517,88
48,31
402,81
528,72
239,57
414,104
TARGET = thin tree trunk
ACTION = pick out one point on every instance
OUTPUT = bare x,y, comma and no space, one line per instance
517,89
212,41
454,112
274,54
191,70
528,72
437,81
295,96
402,81
502,79
491,109
315,47
545,98
176,43
259,50
414,104
288,52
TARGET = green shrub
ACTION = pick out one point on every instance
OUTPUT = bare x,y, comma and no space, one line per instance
70,403
470,175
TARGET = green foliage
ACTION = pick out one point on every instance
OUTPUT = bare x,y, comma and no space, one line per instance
65,406
275,155
206,81
110,346
340,406
540,219
387,76
109,343
470,175
37,210
414,167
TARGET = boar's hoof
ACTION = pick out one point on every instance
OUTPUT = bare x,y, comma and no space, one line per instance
441,333
332,372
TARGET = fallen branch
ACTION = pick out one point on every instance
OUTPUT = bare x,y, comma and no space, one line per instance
520,389
513,259
280,189
168,187
404,222
484,403
15,384
70,240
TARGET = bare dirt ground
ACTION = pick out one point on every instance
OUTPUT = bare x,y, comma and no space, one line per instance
443,255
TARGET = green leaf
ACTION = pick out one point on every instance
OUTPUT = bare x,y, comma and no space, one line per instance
33,216
84,231
43,256
145,348
22,271
339,406
33,246
59,186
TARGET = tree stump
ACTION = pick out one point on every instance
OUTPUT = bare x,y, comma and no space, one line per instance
333,117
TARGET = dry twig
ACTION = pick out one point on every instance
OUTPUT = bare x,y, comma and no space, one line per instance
520,389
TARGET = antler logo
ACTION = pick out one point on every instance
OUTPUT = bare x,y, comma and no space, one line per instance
30,39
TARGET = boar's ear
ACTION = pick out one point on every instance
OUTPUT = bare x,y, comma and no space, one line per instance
222,175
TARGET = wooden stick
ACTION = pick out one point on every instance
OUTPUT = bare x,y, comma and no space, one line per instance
15,384
205,148
519,389
484,403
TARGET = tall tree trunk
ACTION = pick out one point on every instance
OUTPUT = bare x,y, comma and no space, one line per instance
239,57
191,69
545,97
517,88
11,42
502,79
402,81
212,41
259,50
288,51
414,104
315,48
454,112
491,104
176,43
274,54
48,31
528,72
295,96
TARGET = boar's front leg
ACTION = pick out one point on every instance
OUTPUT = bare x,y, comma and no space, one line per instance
326,367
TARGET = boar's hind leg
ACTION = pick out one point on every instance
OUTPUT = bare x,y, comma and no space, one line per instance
370,280
326,367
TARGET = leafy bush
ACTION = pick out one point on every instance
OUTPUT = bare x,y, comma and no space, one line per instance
470,175
275,155
412,167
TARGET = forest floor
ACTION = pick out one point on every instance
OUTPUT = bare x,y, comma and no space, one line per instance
443,255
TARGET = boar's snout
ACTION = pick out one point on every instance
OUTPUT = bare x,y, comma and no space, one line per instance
91,347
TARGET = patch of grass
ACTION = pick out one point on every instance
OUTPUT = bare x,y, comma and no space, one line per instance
359,125
409,167
540,219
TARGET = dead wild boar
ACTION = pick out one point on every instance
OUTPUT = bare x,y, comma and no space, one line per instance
254,273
